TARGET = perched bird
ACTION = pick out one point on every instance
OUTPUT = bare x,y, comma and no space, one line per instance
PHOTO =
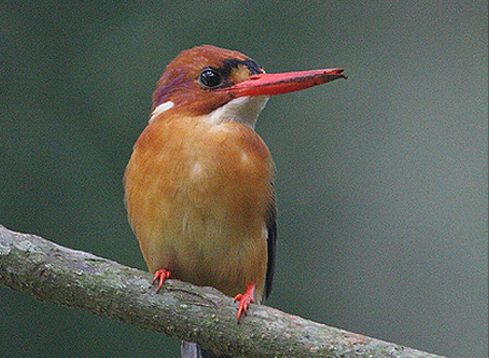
198,186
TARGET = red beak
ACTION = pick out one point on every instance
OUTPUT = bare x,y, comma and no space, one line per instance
271,84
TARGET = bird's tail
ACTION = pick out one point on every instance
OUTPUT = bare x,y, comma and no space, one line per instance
193,350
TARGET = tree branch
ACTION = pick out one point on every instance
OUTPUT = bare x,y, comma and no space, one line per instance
52,273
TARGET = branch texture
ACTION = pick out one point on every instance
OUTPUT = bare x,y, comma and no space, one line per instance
52,273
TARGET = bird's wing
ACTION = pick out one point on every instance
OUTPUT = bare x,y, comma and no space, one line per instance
271,222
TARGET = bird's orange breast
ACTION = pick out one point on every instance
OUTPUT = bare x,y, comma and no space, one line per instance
197,196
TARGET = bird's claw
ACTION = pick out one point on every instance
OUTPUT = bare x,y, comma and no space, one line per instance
161,275
245,300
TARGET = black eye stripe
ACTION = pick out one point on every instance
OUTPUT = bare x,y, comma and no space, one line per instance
254,67
213,78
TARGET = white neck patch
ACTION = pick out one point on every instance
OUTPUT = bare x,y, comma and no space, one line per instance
242,109
165,106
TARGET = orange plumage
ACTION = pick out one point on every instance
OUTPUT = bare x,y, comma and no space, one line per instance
199,201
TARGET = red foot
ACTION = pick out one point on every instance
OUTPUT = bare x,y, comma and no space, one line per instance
245,300
161,275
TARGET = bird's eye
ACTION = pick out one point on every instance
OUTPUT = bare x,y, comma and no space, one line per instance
210,78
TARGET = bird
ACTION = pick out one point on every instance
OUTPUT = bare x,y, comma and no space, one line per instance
199,184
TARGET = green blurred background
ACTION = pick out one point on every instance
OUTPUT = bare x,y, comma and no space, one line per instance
382,179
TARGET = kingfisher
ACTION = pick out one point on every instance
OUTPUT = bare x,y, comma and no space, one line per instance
199,185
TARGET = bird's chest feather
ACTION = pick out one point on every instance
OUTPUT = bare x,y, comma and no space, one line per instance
197,198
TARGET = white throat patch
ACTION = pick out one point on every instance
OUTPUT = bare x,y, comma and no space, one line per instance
242,109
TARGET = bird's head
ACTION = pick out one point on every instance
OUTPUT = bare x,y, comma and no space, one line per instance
224,85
